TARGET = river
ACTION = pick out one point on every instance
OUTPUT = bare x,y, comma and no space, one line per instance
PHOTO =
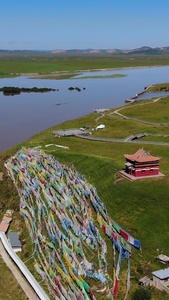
22,116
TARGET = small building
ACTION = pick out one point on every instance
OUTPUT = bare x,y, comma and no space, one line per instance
164,259
161,279
14,241
142,163
145,281
4,225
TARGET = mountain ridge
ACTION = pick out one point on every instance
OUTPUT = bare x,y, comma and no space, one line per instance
141,50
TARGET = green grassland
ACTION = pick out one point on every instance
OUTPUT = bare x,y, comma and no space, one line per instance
143,112
141,207
11,66
159,87
156,139
117,127
9,287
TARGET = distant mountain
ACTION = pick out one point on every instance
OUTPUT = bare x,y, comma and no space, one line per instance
145,50
142,50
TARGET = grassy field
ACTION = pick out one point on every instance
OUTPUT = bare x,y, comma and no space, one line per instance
159,87
140,207
156,139
159,108
9,287
11,66
126,127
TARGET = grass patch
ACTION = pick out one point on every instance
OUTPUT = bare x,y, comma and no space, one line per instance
160,87
12,66
9,287
153,111
106,76
156,139
57,77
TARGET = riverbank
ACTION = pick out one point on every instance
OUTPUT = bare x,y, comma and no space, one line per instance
67,74
53,67
123,68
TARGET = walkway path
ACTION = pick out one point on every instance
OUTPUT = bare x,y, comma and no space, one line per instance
97,119
121,140
134,99
19,277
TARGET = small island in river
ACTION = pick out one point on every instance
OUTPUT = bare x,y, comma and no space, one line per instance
102,76
11,91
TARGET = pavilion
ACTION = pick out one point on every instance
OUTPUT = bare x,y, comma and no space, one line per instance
141,165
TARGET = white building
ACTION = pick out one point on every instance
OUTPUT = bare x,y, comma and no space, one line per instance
161,280
14,241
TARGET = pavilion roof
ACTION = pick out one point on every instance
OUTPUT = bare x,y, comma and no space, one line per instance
142,156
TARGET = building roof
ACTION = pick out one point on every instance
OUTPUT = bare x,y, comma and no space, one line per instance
6,219
161,274
5,223
163,258
145,279
142,156
4,227
14,239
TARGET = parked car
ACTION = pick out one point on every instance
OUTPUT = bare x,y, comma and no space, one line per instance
84,127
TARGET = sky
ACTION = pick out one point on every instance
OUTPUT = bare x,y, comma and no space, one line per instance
83,24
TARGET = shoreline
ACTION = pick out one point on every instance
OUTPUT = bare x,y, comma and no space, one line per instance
116,107
84,71
122,68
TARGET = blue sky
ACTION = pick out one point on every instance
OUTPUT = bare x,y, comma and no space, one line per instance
82,24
